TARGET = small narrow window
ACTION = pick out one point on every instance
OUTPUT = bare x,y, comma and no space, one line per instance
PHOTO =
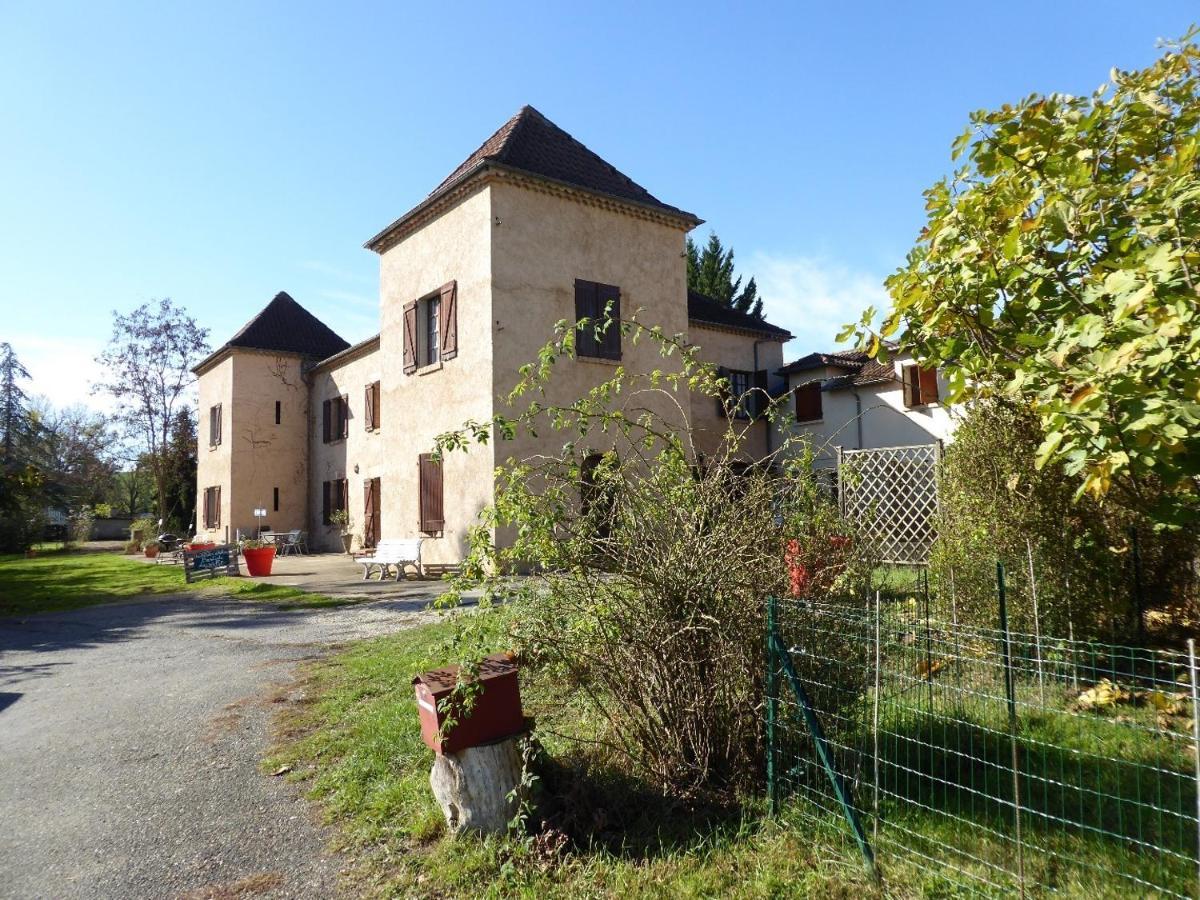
371,406
276,500
212,507
278,412
214,426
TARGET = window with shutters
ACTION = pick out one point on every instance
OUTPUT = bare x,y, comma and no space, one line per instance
212,507
430,494
920,385
600,305
431,329
275,500
335,419
371,507
371,406
278,412
808,402
214,426
334,497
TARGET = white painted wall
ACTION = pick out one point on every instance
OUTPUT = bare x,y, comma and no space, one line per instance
877,417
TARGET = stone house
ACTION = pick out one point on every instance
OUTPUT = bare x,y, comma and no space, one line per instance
532,228
846,399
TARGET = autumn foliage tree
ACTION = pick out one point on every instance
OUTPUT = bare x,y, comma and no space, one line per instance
1059,268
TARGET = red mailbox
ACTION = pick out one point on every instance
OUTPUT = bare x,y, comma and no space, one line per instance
495,714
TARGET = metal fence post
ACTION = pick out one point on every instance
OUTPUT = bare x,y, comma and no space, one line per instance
1037,624
928,641
1010,692
1138,600
1196,745
772,708
875,723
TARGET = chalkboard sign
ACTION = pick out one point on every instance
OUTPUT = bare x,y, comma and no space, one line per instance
210,561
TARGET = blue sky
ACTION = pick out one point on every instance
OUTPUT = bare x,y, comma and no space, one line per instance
218,152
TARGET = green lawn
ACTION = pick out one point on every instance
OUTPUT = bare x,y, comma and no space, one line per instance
60,580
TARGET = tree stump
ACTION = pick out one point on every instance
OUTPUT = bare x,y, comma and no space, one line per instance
473,786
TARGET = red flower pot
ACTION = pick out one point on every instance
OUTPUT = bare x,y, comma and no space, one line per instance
258,561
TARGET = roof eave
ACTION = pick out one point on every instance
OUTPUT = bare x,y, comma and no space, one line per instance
783,337
378,242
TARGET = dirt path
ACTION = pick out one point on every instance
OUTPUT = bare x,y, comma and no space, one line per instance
130,738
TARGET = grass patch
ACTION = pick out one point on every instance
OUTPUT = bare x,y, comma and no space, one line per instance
354,741
70,580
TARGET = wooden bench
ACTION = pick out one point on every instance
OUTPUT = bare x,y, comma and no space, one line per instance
397,552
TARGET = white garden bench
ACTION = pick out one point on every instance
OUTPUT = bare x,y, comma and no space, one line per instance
398,552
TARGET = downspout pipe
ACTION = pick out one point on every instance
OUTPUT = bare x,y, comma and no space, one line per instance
858,412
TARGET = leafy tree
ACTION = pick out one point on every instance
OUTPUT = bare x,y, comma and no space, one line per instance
14,414
148,365
180,483
73,449
710,271
1060,267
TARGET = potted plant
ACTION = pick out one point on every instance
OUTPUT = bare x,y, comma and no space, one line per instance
151,549
341,518
259,556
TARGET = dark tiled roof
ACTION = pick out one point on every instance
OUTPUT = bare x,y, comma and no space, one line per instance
840,358
285,326
860,369
531,143
707,311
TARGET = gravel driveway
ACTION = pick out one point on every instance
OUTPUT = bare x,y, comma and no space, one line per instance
130,737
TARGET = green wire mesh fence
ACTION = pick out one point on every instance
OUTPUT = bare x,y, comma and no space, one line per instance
981,761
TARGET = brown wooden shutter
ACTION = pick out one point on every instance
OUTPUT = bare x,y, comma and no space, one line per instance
808,402
369,535
376,399
724,394
912,388
410,337
606,294
325,502
220,424
217,509
344,416
760,400
326,432
432,519
206,497
585,308
369,407
927,385
448,324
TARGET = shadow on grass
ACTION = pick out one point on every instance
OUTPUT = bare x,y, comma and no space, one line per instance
601,808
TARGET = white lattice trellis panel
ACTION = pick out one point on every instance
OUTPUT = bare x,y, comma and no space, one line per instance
891,493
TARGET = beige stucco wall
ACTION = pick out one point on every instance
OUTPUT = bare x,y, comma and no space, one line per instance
455,246
213,463
357,458
733,350
541,244
255,455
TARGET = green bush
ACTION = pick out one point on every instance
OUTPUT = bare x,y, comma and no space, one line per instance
997,506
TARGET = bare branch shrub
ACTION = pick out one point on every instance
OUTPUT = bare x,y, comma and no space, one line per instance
654,562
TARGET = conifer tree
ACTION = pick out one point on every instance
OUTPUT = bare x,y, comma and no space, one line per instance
14,412
710,272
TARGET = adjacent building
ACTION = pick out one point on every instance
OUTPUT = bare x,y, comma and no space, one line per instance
847,399
532,228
